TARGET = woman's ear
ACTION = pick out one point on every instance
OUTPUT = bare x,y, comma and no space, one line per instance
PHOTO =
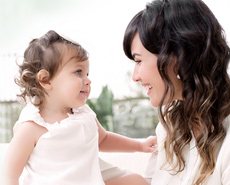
43,77
175,66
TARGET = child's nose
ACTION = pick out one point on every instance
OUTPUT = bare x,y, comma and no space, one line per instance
87,81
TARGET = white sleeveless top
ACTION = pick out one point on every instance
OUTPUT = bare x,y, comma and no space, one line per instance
67,154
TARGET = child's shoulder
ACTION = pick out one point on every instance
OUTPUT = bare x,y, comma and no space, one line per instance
30,130
29,114
32,127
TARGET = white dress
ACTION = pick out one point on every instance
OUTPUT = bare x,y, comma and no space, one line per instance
67,154
220,176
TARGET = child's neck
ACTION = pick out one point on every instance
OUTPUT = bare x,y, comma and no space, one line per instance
52,114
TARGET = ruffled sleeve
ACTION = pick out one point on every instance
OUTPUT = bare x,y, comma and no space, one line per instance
29,113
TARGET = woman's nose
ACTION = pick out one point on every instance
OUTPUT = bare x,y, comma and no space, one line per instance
136,76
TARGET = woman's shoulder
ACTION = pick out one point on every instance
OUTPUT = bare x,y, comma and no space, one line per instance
226,141
226,124
224,149
160,130
223,159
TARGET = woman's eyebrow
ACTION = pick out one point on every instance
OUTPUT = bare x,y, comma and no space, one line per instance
135,54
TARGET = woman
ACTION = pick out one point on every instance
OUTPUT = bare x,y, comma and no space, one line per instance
181,58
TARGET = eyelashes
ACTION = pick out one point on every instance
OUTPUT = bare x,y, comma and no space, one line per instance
79,72
137,61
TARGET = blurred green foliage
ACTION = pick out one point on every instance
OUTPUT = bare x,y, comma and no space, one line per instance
132,117
103,107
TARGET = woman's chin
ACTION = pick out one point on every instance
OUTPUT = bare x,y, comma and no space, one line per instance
154,103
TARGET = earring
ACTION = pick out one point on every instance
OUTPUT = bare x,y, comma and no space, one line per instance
178,76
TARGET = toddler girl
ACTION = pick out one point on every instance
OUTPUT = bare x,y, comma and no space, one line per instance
57,135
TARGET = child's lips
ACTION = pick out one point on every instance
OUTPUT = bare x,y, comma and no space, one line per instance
84,92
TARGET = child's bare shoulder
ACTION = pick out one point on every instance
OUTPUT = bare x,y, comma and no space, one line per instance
31,130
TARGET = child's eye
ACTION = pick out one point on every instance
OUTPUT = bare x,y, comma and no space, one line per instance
79,72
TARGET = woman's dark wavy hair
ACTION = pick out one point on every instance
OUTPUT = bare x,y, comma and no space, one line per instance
188,30
43,53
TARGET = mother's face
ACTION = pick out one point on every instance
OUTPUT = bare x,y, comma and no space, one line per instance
146,72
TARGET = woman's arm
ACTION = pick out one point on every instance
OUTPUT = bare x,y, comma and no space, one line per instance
19,151
112,142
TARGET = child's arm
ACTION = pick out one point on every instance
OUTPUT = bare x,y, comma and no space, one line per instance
133,179
19,151
112,142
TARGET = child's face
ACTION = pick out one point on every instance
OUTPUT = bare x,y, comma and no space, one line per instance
71,85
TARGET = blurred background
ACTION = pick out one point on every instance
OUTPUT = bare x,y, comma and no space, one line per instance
120,104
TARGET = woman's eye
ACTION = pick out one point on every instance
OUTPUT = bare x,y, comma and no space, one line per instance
78,72
137,61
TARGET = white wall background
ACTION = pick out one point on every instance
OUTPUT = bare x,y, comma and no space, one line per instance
98,25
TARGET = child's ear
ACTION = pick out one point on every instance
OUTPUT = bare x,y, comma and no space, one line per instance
43,77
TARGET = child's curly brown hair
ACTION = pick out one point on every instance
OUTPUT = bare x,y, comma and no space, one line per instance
43,53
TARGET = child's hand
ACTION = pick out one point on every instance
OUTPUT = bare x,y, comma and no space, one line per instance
149,145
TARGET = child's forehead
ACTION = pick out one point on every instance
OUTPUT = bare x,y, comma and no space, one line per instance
70,53
69,50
